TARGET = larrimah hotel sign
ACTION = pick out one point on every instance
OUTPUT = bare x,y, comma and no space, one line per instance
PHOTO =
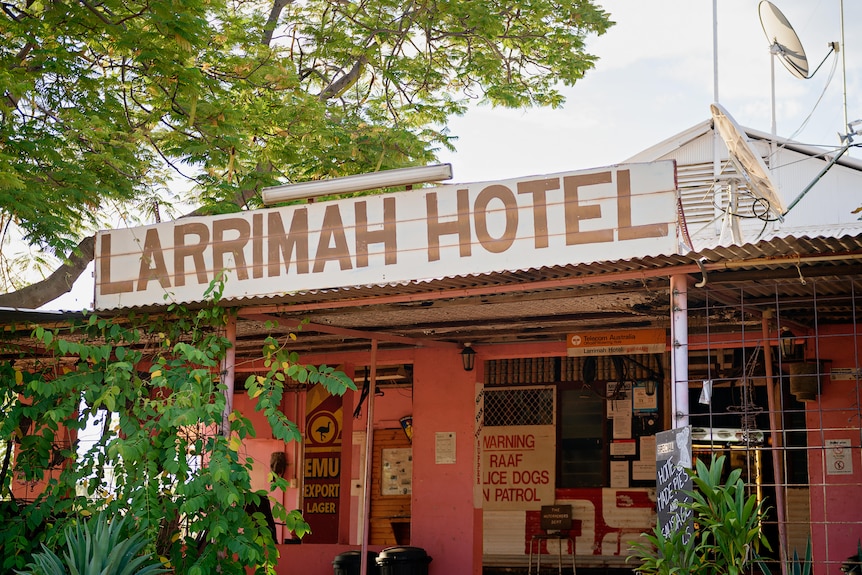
601,214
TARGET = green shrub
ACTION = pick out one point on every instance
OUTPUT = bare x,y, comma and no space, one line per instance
97,547
727,535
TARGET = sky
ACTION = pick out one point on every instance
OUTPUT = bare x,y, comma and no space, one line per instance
655,77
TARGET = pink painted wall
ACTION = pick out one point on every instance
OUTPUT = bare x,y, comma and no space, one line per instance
836,499
313,559
445,522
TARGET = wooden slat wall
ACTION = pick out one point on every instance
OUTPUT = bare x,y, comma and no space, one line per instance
390,514
798,519
526,370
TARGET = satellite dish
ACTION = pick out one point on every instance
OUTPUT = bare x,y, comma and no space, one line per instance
783,40
746,161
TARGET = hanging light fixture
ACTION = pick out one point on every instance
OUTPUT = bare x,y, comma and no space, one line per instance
468,357
649,387
790,350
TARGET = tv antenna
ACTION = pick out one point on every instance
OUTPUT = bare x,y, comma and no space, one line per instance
785,45
749,165
753,170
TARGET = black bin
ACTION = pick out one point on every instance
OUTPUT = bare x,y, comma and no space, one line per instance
349,563
403,561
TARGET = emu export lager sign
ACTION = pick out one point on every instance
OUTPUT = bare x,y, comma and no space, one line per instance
611,213
321,495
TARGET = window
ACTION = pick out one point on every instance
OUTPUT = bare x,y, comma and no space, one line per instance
581,453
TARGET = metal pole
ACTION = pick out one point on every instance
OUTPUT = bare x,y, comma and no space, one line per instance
777,442
825,169
715,51
228,372
679,349
772,87
843,63
369,457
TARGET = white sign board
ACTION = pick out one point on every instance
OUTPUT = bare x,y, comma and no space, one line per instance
839,460
602,214
845,374
518,466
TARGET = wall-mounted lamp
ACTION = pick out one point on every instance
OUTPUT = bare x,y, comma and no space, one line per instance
468,356
649,387
790,349
357,183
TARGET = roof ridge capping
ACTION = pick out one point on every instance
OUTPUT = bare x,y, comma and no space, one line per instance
679,139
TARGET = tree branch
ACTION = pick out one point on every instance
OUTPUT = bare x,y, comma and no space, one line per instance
55,285
339,86
272,20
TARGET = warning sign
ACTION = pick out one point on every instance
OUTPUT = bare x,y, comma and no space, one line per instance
839,458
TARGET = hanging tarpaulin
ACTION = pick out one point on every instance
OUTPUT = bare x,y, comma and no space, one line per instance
322,465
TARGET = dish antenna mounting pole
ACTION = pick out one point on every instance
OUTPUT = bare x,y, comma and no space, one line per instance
854,128
785,45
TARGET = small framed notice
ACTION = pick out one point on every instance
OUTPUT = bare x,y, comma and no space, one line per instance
839,460
623,447
396,477
619,474
643,401
444,447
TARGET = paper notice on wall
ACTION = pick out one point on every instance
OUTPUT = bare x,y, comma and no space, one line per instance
619,473
643,470
647,444
839,458
444,447
623,447
623,425
620,398
396,477
643,401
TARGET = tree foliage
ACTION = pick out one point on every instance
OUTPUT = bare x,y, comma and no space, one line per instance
104,104
166,456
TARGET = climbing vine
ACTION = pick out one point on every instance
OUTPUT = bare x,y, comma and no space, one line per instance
156,448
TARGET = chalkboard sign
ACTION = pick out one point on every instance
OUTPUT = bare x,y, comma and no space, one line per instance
556,517
673,457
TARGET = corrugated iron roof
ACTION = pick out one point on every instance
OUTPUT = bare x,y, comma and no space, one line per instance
546,304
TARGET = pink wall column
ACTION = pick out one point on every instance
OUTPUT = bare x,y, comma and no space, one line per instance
835,496
444,521
836,500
